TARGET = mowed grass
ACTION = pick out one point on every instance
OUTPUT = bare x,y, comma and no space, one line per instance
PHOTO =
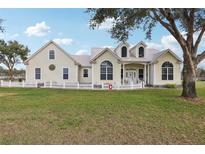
54,116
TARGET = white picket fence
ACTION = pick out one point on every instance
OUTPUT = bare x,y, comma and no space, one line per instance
68,85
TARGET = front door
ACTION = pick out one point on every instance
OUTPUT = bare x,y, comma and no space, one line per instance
131,76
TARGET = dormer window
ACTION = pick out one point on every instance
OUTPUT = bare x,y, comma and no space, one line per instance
51,54
124,52
141,52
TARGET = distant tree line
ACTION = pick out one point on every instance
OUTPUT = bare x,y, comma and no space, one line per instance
200,74
18,74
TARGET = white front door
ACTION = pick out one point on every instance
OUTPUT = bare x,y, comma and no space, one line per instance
131,76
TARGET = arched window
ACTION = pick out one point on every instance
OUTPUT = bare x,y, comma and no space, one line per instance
167,71
106,70
124,52
141,52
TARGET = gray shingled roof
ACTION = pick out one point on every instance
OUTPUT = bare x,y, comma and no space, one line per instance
157,55
95,51
151,55
148,57
84,60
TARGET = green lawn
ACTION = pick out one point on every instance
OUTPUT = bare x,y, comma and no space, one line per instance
149,116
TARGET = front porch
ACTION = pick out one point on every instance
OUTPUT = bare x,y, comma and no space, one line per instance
134,73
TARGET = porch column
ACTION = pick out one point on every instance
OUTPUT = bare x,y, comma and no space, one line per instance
145,78
148,73
123,76
92,79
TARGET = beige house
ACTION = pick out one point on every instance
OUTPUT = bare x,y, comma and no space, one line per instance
122,65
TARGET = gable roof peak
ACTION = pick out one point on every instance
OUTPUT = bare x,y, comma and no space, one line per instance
139,43
44,46
159,54
103,51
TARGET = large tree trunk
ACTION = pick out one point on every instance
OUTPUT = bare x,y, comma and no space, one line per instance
189,81
11,74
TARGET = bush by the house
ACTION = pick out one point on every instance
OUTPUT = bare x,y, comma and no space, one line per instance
170,86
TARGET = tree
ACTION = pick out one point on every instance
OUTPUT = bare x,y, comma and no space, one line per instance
183,24
12,53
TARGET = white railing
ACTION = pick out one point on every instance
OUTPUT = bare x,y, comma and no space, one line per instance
68,85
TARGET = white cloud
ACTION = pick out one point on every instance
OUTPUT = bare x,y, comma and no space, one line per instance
107,24
60,33
39,29
14,35
202,64
63,41
82,52
166,42
107,46
169,42
2,35
7,36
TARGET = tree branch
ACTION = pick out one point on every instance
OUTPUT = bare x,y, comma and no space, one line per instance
178,36
163,23
200,57
189,17
198,40
169,17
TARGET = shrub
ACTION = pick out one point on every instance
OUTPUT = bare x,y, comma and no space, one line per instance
170,86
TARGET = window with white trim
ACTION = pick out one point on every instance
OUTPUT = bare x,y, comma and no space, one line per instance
85,73
106,70
167,71
65,73
37,73
141,52
124,51
51,54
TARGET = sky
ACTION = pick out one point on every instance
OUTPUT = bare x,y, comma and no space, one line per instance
70,29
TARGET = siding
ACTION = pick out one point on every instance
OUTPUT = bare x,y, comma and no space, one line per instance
41,60
158,71
116,69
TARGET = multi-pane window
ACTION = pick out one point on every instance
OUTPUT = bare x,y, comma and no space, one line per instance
65,73
106,71
51,54
141,74
37,73
85,73
124,52
167,71
141,52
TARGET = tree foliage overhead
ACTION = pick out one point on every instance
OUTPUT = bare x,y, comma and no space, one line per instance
182,23
176,21
12,53
127,20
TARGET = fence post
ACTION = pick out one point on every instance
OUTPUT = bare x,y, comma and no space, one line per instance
92,85
64,85
23,84
36,84
50,84
1,83
118,86
132,86
9,83
102,86
78,85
